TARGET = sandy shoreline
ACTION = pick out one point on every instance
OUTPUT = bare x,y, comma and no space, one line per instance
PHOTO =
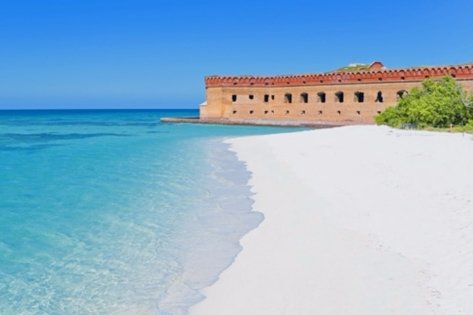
358,220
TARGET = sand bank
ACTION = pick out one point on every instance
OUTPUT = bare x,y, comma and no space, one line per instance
358,220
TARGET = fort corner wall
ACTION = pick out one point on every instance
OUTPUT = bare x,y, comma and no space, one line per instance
336,97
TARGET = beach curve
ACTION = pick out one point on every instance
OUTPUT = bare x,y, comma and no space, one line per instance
358,220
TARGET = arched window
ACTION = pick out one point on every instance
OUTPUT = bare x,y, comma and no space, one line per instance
288,98
339,97
321,97
266,98
234,98
304,98
379,97
359,97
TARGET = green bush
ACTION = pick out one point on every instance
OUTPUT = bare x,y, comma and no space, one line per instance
437,103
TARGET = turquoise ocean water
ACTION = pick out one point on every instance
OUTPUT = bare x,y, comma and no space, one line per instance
112,212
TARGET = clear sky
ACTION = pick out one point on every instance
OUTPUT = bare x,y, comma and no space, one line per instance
155,53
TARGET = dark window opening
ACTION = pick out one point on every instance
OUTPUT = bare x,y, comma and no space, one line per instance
379,112
303,112
272,97
321,97
234,112
339,112
400,94
320,112
251,96
287,112
359,97
266,98
251,112
358,112
288,98
272,112
234,98
379,97
380,79
403,78
339,97
265,111
304,98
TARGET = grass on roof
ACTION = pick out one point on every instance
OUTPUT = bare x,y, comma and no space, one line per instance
354,68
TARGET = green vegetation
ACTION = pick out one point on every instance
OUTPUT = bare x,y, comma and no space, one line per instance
354,67
438,103
466,128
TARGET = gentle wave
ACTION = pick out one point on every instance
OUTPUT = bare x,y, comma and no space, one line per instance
115,218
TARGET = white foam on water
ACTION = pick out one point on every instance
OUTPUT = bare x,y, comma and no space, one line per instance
213,229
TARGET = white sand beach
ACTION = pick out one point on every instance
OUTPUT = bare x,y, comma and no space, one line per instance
358,220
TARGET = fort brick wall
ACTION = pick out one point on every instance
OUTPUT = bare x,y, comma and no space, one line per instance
335,97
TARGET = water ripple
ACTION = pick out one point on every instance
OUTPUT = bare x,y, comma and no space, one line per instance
49,136
30,148
81,123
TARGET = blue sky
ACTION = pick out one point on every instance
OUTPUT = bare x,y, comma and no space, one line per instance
155,54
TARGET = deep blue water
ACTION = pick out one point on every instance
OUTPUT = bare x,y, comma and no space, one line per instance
112,212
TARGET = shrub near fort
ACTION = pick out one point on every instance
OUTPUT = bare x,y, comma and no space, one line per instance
437,103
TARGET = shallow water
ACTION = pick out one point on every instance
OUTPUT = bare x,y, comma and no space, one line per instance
111,212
